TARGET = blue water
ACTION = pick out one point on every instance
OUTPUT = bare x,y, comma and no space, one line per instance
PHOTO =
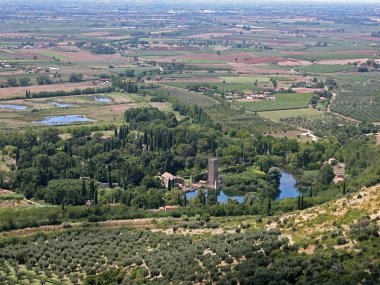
64,120
61,105
287,187
222,197
103,99
13,107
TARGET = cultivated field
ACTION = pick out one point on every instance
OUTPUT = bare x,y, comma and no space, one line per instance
282,102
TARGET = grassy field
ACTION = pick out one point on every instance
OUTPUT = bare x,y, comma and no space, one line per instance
160,53
277,115
56,55
354,77
326,68
283,102
210,61
219,85
332,55
190,98
245,79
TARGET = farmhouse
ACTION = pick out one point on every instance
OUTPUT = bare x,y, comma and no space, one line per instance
170,178
168,208
263,96
104,82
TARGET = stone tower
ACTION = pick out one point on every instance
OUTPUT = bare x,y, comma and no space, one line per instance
212,178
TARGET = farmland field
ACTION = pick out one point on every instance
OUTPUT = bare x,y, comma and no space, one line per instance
326,68
219,85
334,55
357,102
283,102
190,98
12,92
277,115
252,79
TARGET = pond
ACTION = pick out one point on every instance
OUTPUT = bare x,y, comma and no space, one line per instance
64,120
103,99
287,187
222,197
13,107
61,105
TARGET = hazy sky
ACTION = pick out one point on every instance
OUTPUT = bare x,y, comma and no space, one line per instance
269,2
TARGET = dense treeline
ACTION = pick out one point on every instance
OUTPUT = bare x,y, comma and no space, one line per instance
123,85
86,91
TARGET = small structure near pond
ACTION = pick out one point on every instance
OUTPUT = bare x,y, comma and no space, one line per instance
174,180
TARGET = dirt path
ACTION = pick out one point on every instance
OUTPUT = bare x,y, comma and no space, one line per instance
31,202
332,99
140,224
310,133
366,200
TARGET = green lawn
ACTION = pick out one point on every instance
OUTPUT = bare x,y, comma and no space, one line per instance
355,77
210,61
277,115
53,54
332,55
245,79
219,85
326,68
160,53
190,98
252,79
283,102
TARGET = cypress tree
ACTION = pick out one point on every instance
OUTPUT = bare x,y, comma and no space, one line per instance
140,144
344,187
169,184
96,197
109,168
269,207
83,192
145,138
301,202
17,155
63,205
311,192
92,189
